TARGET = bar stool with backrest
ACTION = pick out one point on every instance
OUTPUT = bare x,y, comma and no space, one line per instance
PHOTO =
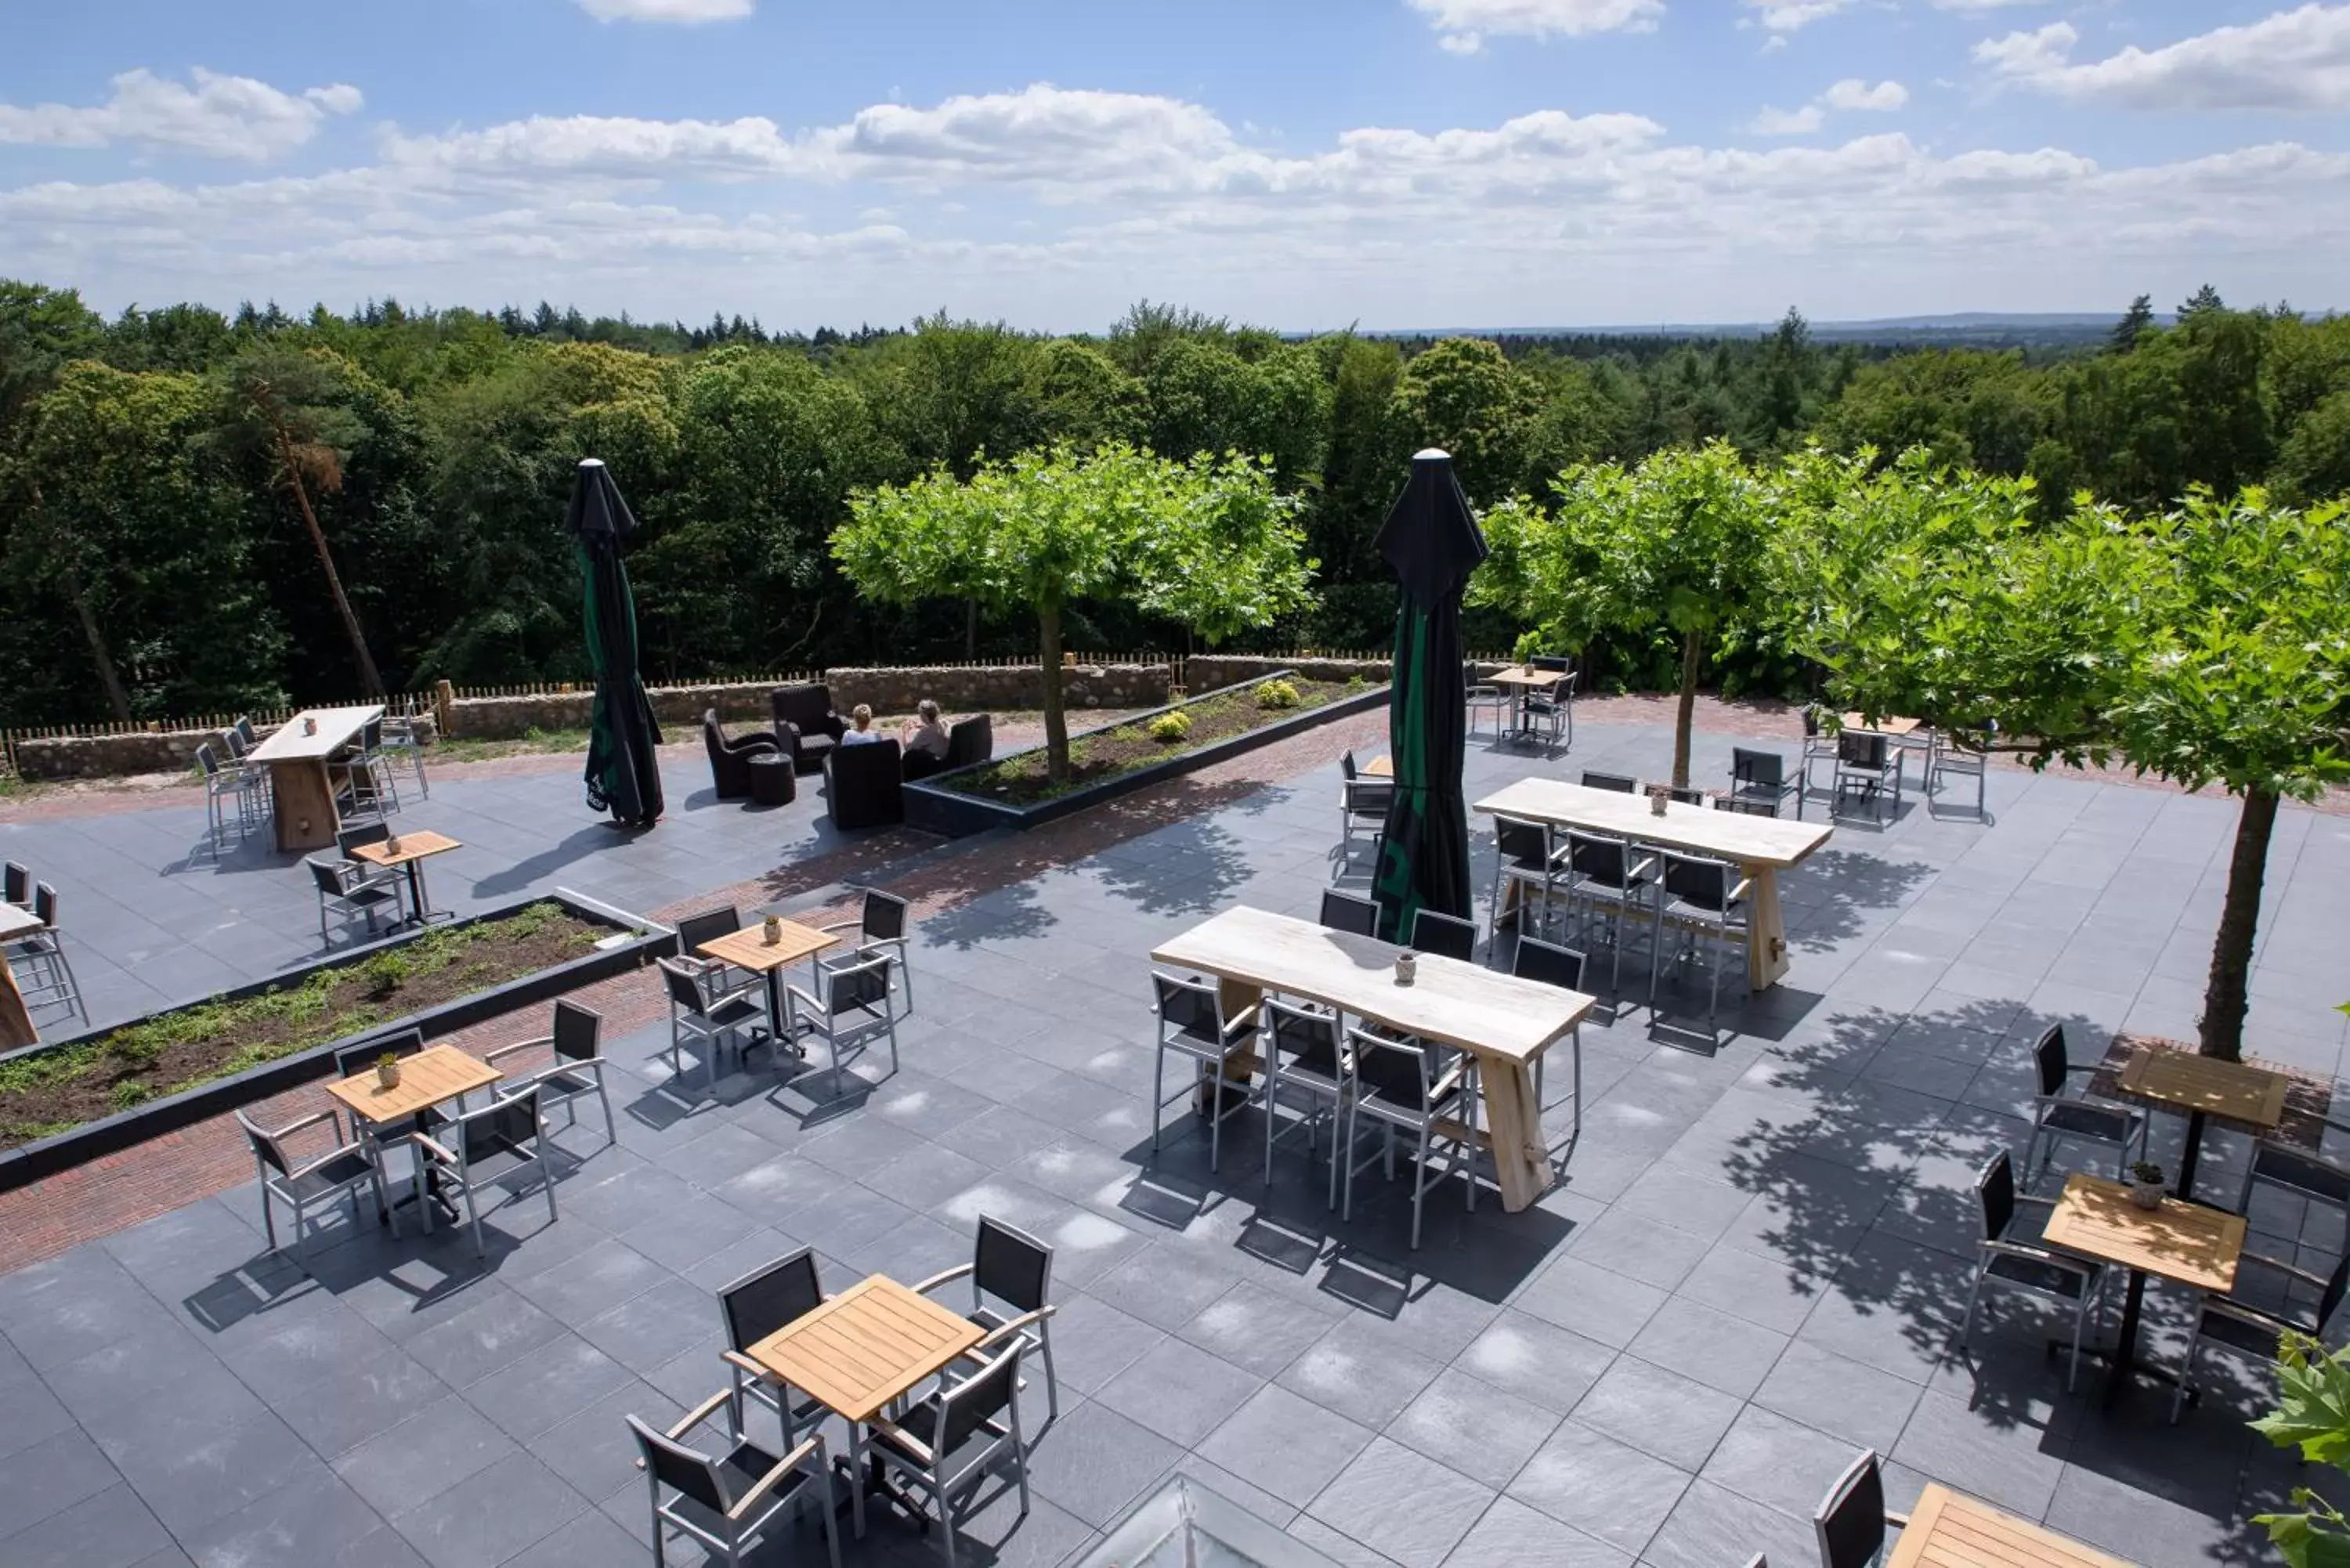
1008,1266
751,1308
1612,880
1363,804
2026,1266
1946,758
399,739
2232,1324
577,1068
947,1443
1448,936
477,1150
1553,705
1192,1024
1526,857
849,1005
1819,746
305,1184
1349,912
1688,795
37,959
731,1501
366,773
1850,1519
1482,693
697,1020
15,886
237,787
1705,900
1304,1059
880,926
1551,964
2057,1115
1399,1085
1615,783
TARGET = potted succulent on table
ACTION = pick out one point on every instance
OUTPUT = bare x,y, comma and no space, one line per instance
2146,1184
386,1070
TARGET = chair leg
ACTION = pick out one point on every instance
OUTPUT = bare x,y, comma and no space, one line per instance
2186,1369
2080,1321
1974,1293
1158,1091
1052,1379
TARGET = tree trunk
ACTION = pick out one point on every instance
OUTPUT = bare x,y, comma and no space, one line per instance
1692,654
971,628
100,655
368,676
2231,952
1056,721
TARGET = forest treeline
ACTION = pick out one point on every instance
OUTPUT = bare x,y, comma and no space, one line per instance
174,480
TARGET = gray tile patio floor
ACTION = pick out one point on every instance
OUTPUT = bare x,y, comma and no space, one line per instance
1753,1263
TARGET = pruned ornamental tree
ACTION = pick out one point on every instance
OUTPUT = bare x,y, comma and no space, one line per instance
1681,543
1208,543
2209,644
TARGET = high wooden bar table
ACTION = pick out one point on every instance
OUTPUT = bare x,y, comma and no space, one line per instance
1504,1022
1761,845
15,1024
301,791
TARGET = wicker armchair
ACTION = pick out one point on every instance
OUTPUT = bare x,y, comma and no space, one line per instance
807,729
730,759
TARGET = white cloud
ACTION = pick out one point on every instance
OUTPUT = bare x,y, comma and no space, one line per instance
1789,121
1852,93
221,116
1975,5
687,13
1464,26
1783,16
2296,62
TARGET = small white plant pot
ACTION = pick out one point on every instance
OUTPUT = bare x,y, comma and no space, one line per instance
387,1075
2146,1194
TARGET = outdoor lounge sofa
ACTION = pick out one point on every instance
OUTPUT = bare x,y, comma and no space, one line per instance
805,726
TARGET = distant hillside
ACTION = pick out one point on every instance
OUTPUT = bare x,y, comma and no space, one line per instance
1970,329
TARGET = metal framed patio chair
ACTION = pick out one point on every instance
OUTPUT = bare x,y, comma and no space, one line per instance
2028,1267
1705,900
849,1006
750,1309
358,873
1612,881
1527,859
1480,692
1448,936
947,1444
1552,707
2302,1178
2057,1115
1851,1520
1399,1086
1304,1062
1819,746
230,786
303,1185
718,979
37,959
577,1070
1011,1275
2237,1327
1551,964
15,886
1867,763
1616,784
697,1020
1363,803
378,1137
1192,1025
731,1502
1349,912
475,1151
352,897
1759,782
880,926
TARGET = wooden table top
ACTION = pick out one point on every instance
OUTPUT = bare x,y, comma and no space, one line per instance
413,847
435,1073
336,728
749,948
2230,1090
1380,767
16,921
1738,835
1951,1530
870,1345
1884,726
1517,675
1463,1004
2185,1243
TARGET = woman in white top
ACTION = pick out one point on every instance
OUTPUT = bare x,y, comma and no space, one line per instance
860,732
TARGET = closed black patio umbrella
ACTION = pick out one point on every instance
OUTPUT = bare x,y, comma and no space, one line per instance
623,768
1432,541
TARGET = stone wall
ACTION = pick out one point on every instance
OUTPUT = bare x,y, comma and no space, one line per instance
995,691
149,752
677,707
1207,671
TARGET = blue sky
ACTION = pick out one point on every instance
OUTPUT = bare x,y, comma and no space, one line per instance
1394,162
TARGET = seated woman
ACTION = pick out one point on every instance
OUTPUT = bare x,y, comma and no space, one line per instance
860,727
924,732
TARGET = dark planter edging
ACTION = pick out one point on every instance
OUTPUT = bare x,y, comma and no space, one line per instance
958,815
32,1162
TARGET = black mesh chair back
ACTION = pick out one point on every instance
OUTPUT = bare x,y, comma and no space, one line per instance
1547,962
682,1469
1523,844
207,761
576,1032
971,1403
351,838
708,926
1756,770
1697,880
682,991
507,1126
328,878
758,1303
1345,912
1685,796
355,1059
1851,1520
1309,1039
1995,1191
44,905
2330,1299
1811,722
2051,1058
1863,749
1555,665
265,1147
372,735
15,883
1011,1265
244,727
858,987
1448,935
1620,783
1190,1007
884,917
1347,767
1599,859
1398,1070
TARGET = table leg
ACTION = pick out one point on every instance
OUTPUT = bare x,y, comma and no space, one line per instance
2123,1359
1766,947
1513,1122
775,1006
417,907
15,1024
2188,1157
302,800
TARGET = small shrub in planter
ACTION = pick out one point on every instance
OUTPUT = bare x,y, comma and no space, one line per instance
1170,726
1277,694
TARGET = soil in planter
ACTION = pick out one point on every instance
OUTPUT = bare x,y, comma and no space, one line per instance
56,1091
1101,754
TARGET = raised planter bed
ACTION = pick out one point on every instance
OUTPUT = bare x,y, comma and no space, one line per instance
601,941
937,805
